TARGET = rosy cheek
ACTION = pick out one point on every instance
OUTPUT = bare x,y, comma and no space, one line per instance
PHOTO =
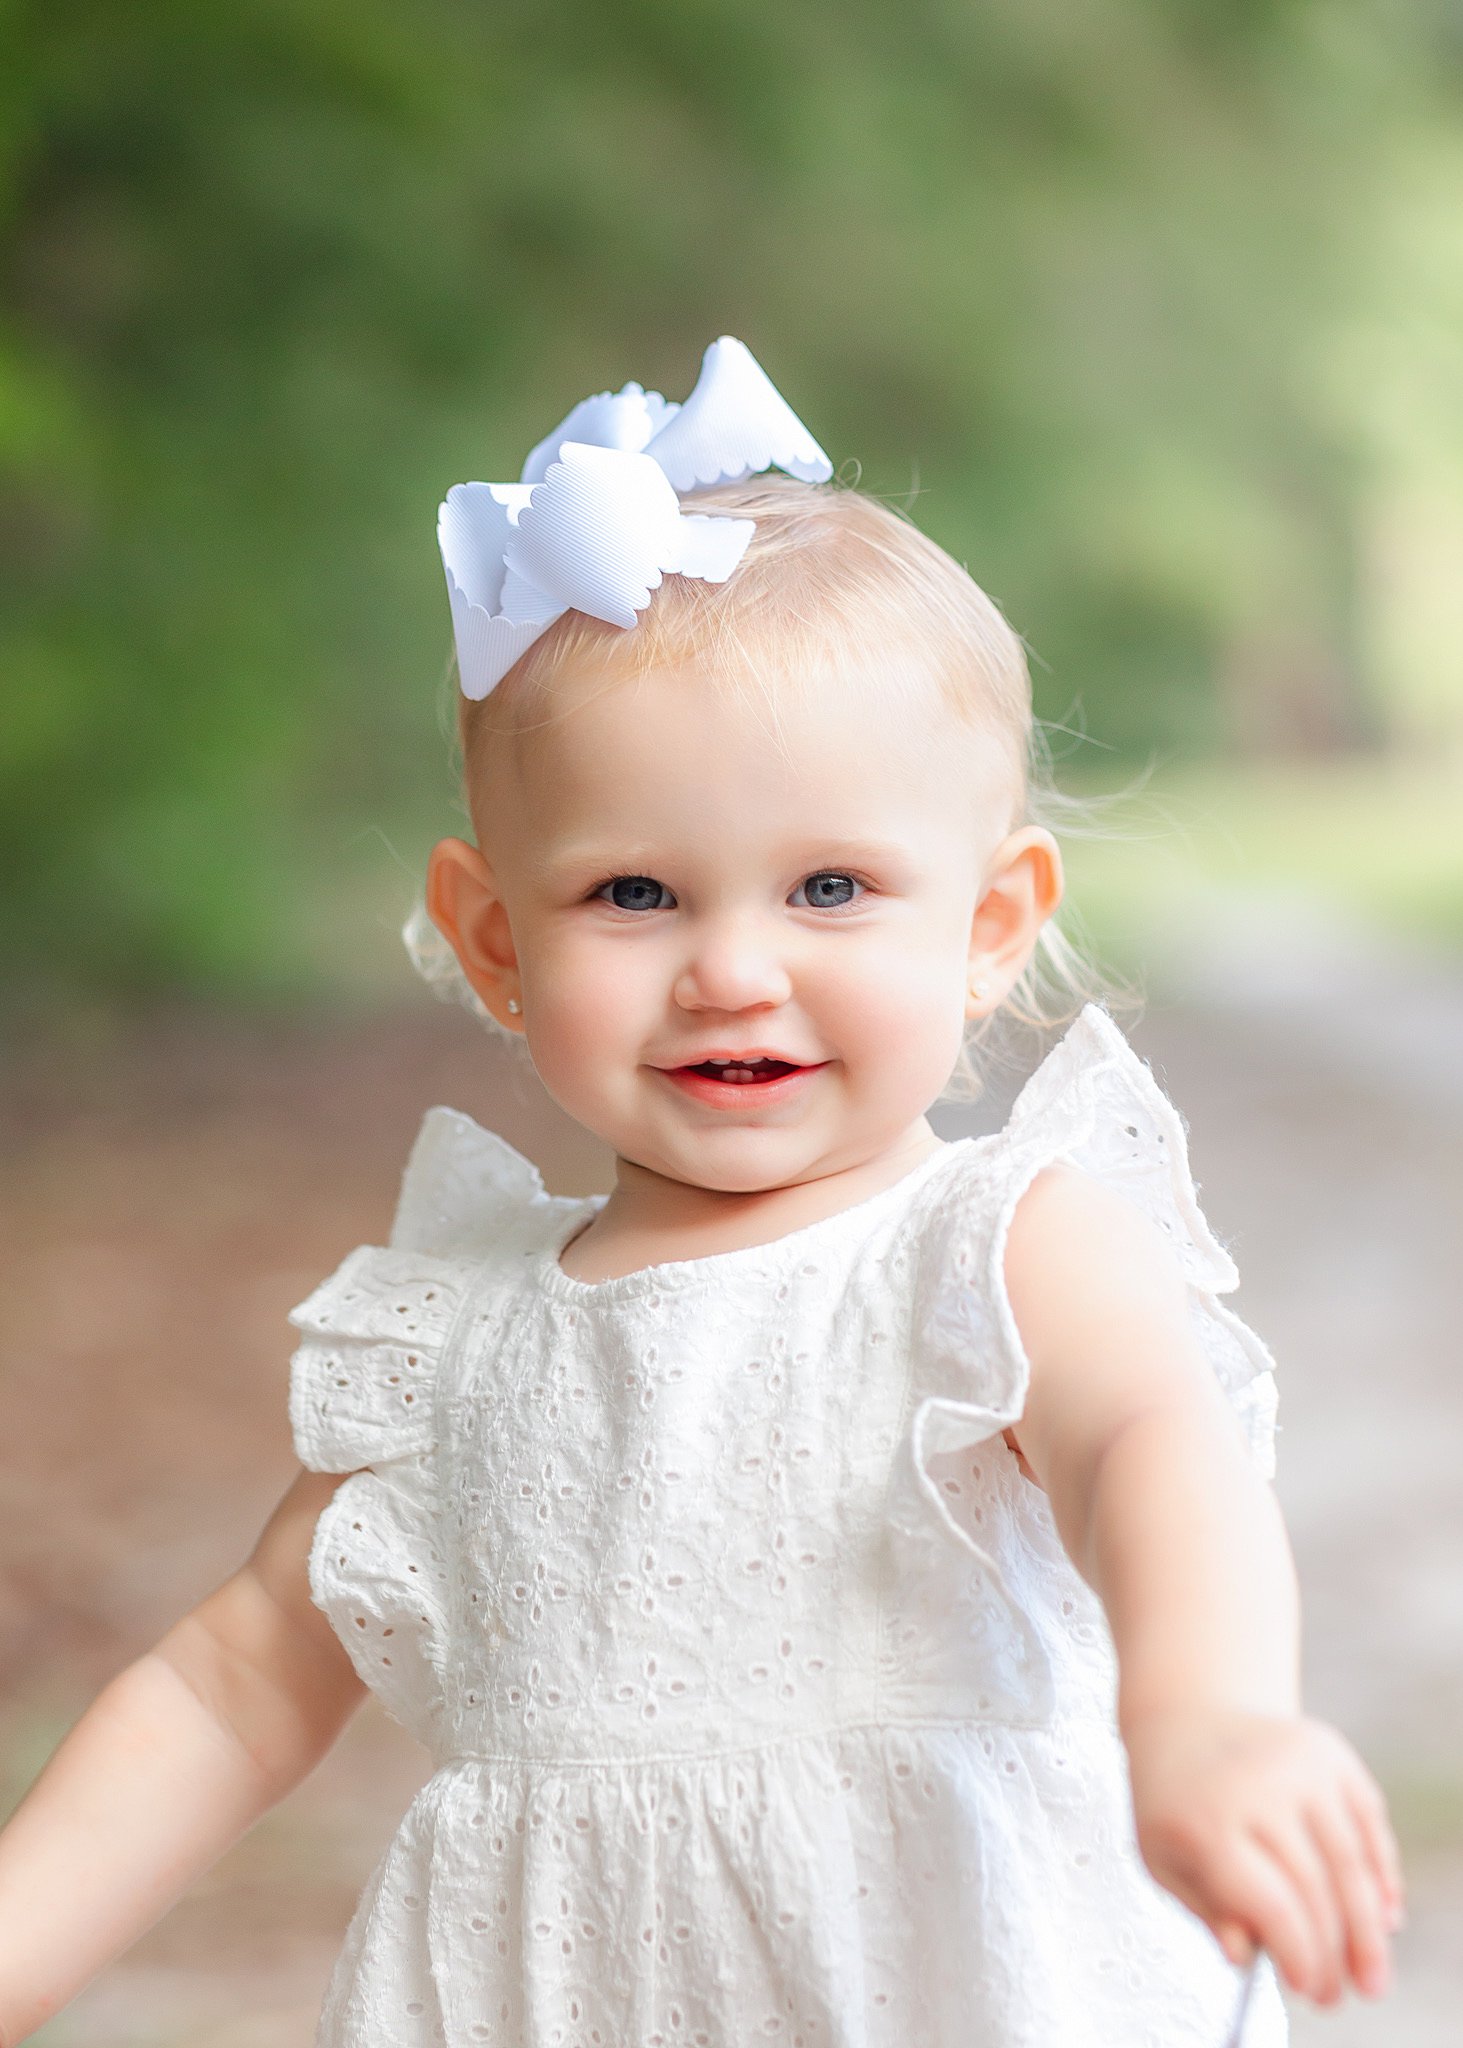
600,1008
877,1004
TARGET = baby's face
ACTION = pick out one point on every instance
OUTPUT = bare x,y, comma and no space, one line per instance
673,884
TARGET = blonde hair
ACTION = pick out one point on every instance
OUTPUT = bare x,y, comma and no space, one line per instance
830,572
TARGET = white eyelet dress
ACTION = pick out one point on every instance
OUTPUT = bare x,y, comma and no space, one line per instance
763,1701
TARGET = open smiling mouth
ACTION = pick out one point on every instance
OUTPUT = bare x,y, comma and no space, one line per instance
745,1075
722,1082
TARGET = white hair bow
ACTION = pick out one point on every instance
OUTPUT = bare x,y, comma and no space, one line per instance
594,522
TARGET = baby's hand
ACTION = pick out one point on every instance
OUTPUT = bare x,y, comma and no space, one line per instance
1272,1830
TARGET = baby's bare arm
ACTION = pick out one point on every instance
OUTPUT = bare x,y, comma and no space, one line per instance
1151,1486
1263,1821
173,1761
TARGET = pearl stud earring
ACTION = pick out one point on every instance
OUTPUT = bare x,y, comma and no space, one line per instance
978,988
514,1005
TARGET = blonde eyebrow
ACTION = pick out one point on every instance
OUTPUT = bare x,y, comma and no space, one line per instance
871,850
570,860
637,858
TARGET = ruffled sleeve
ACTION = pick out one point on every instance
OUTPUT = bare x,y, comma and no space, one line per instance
363,1380
365,1396
1095,1103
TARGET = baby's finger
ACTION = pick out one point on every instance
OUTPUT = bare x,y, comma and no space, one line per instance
1236,1941
1291,1843
1303,1857
1252,1885
1370,1808
1363,1902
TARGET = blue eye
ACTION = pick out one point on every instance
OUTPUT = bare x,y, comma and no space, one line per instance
637,892
636,885
819,882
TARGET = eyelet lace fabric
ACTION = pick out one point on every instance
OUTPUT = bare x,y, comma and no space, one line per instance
762,1700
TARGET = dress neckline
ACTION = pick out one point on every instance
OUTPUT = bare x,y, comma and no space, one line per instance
669,1274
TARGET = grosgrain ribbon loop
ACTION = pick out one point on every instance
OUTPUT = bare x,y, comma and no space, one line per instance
595,522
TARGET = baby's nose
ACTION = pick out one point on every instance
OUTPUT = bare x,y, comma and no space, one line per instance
733,969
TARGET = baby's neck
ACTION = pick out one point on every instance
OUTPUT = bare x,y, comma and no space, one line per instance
651,1218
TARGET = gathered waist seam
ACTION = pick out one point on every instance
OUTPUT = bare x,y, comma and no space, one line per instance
1088,1718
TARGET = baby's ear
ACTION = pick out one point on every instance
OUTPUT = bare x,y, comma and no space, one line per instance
464,904
1023,885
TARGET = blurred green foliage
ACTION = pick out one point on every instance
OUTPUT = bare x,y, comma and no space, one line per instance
1149,311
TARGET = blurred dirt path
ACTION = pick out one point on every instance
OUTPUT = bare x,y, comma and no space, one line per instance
167,1196
1321,1070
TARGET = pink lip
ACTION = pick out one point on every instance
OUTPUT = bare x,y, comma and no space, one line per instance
744,1094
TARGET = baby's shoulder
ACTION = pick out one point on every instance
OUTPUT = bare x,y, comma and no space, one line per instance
1070,1230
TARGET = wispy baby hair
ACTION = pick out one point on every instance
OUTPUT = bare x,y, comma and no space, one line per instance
832,578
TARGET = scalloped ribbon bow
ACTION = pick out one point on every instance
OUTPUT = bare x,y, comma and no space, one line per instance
595,521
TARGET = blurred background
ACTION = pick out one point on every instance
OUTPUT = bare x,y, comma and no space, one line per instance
1152,315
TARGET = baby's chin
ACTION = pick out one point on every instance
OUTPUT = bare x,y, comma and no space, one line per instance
746,1161
713,1177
